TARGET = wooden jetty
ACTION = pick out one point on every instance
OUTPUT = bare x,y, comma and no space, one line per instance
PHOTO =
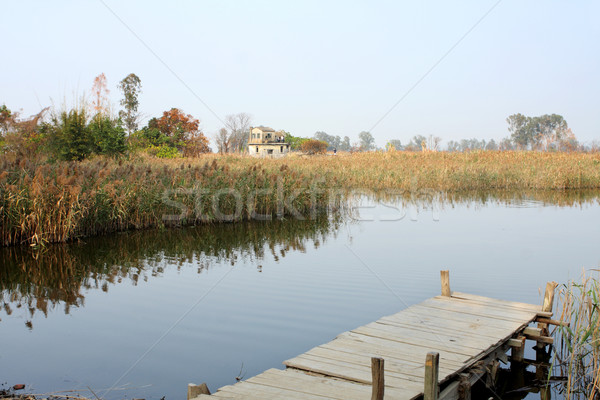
432,350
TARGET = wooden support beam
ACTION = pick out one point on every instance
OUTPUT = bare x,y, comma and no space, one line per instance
544,314
543,340
464,387
547,307
445,276
514,343
532,331
432,365
378,383
492,374
549,296
196,390
552,321
517,353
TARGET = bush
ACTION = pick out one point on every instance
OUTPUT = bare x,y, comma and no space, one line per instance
165,152
313,146
108,136
69,134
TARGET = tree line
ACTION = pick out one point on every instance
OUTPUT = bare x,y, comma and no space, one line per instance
548,132
92,127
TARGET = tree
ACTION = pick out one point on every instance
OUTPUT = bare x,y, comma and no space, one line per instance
518,128
491,145
393,144
69,135
180,131
543,132
108,135
313,146
238,127
345,144
223,140
506,144
131,86
333,142
294,141
416,143
367,142
100,95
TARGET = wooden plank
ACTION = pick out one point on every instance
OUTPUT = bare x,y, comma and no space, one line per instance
400,367
408,349
435,332
421,312
482,311
459,315
311,385
398,356
340,389
342,363
355,373
415,348
476,331
496,310
431,341
514,304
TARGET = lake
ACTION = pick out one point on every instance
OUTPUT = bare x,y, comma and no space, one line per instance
142,314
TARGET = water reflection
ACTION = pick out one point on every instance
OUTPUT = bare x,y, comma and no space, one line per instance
34,282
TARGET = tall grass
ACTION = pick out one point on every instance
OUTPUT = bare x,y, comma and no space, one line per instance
578,345
61,201
57,202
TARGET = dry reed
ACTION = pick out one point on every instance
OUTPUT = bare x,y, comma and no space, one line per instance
577,355
58,202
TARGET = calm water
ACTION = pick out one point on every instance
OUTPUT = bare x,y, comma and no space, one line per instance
148,312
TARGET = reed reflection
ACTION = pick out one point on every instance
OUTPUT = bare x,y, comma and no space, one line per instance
40,282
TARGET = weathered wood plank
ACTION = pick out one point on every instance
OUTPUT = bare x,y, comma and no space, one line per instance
497,302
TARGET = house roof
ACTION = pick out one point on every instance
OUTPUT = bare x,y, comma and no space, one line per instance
265,128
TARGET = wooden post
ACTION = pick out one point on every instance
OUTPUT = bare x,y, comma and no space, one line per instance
546,306
445,275
517,353
196,390
464,387
377,373
432,389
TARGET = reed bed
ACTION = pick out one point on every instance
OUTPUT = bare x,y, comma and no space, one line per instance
61,201
577,355
43,202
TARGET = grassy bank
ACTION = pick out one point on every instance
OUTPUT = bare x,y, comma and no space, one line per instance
57,202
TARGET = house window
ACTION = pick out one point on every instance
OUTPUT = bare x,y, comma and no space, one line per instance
270,151
253,136
281,149
257,149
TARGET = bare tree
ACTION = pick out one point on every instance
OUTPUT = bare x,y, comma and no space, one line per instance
238,126
223,139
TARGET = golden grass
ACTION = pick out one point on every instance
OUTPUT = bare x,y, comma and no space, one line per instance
57,202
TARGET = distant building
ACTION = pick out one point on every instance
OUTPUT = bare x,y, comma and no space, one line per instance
266,142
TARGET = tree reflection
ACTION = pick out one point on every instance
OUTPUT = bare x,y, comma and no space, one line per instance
58,276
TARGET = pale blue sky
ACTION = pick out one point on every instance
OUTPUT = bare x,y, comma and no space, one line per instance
335,66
